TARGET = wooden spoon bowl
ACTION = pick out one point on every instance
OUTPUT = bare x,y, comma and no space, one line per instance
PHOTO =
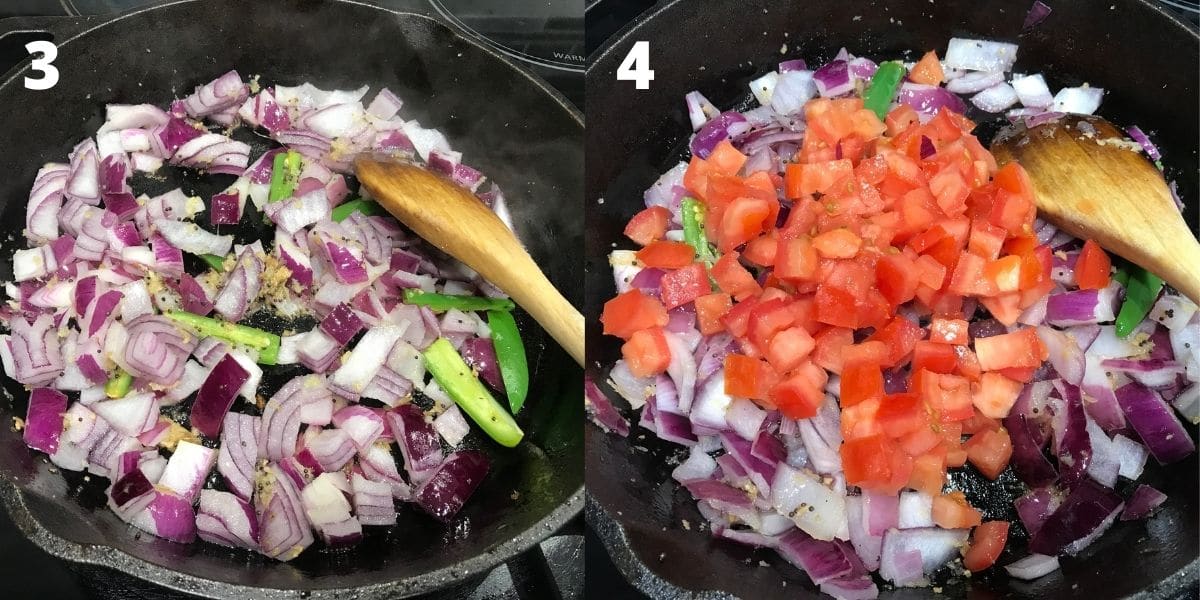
1092,182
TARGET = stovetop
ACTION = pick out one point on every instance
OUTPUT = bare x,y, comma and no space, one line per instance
545,36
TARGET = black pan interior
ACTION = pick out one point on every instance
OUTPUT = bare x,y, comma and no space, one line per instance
507,124
1146,61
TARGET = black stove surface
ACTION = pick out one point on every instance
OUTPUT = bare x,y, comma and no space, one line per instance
545,36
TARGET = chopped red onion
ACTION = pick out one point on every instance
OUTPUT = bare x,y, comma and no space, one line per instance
1033,566
976,81
1078,100
980,55
418,441
44,419
225,519
1154,421
284,531
187,469
1142,503
451,484
281,415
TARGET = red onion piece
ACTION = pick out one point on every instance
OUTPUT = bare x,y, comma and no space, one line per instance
45,202
190,238
225,519
360,423
1083,515
418,441
241,287
219,94
1033,566
373,502
84,181
168,516
187,469
342,324
332,448
157,350
36,354
451,484
239,452
1142,503
1155,422
822,561
216,395
130,415
480,354
281,415
192,296
284,529
44,419
932,548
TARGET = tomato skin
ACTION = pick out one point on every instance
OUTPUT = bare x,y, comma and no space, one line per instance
737,320
726,159
951,511
868,461
938,358
897,278
836,306
682,286
747,377
989,451
648,225
733,278
647,352
1093,267
900,414
630,312
987,542
666,254
1021,348
861,381
709,310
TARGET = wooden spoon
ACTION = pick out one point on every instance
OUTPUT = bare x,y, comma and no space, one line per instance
454,220
1092,182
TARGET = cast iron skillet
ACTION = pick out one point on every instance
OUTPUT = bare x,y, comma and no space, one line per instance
1148,62
508,123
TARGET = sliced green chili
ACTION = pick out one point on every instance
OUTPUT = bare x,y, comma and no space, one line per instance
444,302
693,230
1141,291
510,357
883,86
119,385
265,342
366,207
214,261
285,174
457,379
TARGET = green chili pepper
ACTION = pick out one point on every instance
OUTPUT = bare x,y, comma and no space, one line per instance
285,174
444,302
693,230
883,86
119,385
214,261
1141,291
1121,277
265,342
457,379
366,207
510,357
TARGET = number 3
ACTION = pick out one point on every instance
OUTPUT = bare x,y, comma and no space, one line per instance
636,66
49,72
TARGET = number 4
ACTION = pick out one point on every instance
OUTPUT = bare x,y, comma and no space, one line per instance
636,66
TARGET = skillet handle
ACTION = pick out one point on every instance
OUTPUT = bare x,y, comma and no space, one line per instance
60,29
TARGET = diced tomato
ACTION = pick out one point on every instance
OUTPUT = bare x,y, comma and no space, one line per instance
695,178
900,414
747,377
630,312
995,395
709,310
928,473
733,278
930,272
666,254
897,277
743,220
938,358
899,119
762,249
950,191
829,345
836,306
802,180
684,285
861,381
928,70
968,363
1004,273
924,439
969,278
1093,267
648,225
800,395
1005,307
839,243
647,352
986,239
956,455
989,451
769,317
978,422
788,348
737,320
951,511
987,542
726,159
1021,348
868,461
796,260
949,331
900,336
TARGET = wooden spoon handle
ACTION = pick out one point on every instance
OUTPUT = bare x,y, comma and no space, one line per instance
456,222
